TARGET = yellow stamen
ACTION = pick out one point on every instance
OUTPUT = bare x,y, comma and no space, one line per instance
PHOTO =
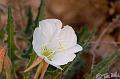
47,53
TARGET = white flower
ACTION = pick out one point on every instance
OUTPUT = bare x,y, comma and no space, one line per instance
56,45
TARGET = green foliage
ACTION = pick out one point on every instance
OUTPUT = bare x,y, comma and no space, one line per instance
73,68
103,66
32,58
10,40
2,33
41,13
31,25
84,37
29,31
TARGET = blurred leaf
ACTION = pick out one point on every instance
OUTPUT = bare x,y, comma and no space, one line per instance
37,61
41,12
26,75
84,36
29,28
103,66
10,31
10,40
2,55
2,33
7,67
31,60
74,66
29,31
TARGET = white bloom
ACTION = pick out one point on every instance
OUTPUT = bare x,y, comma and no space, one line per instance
56,45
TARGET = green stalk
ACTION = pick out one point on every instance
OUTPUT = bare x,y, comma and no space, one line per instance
10,40
41,12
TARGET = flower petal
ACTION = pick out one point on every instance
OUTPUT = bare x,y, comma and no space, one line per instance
66,56
47,30
73,49
45,66
68,37
38,40
63,58
50,28
51,63
57,66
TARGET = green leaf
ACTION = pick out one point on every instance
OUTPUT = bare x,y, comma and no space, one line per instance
2,34
29,29
31,26
10,39
41,12
26,75
29,32
74,66
106,63
32,58
84,37
103,66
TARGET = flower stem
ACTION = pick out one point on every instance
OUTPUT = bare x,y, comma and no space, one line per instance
38,70
35,63
45,66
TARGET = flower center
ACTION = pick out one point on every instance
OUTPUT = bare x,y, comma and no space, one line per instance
47,53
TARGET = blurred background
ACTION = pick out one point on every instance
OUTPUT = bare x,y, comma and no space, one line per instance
102,15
